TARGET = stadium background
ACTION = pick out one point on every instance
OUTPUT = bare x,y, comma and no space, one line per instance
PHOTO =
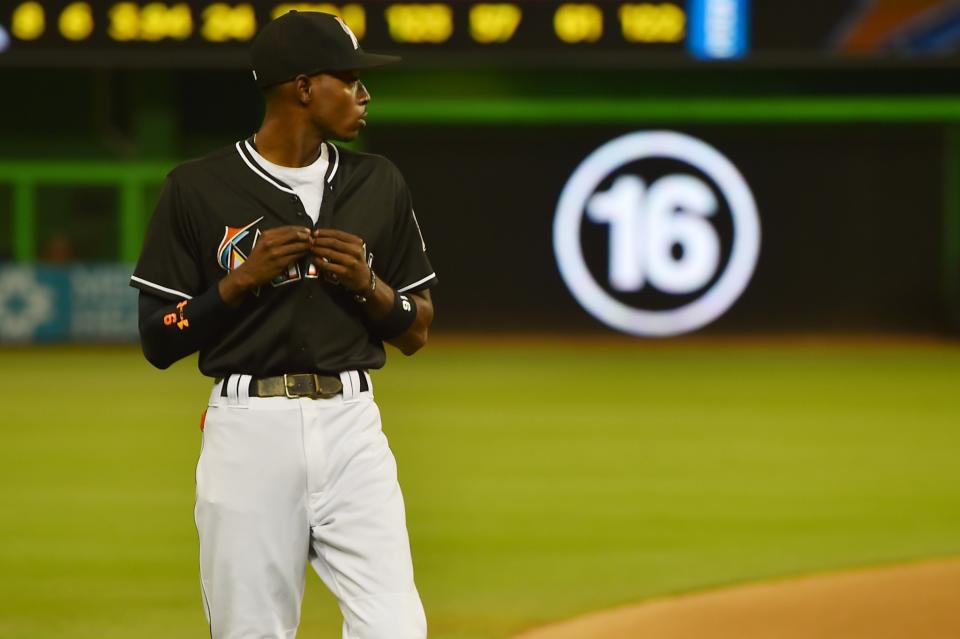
551,465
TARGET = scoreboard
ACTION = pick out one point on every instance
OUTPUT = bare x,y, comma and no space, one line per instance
148,30
189,33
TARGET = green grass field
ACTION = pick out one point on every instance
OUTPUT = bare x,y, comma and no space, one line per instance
542,480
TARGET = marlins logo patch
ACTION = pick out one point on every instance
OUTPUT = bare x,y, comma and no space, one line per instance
229,253
237,244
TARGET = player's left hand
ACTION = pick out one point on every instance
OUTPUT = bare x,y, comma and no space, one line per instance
343,255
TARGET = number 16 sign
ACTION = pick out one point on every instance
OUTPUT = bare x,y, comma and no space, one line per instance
669,270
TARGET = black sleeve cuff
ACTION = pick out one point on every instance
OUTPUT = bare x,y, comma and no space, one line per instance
208,307
170,331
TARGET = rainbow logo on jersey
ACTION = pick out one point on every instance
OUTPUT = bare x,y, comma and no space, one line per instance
229,254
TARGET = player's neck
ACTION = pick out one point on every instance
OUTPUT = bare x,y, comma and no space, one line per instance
287,144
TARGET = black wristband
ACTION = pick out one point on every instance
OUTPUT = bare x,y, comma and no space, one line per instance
400,317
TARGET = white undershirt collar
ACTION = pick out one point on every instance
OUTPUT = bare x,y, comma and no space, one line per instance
306,181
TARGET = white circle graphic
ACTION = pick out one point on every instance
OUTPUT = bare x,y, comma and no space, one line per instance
582,185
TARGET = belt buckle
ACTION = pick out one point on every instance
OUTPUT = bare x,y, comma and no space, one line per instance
319,392
286,388
290,382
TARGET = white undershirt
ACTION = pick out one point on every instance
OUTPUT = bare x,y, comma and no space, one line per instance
306,181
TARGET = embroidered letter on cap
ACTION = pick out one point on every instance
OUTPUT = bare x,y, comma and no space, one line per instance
356,45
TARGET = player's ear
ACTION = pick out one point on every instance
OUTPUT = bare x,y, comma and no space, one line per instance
303,85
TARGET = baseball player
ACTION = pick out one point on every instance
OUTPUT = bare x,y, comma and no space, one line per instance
287,263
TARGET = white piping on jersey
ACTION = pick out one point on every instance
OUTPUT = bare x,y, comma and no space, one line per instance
336,161
161,288
266,176
256,169
423,242
417,283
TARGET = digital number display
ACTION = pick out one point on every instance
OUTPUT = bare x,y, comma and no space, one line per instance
550,32
159,27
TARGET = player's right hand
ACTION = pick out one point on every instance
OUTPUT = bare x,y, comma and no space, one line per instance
275,250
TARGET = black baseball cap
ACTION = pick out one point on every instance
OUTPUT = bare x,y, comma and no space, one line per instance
308,42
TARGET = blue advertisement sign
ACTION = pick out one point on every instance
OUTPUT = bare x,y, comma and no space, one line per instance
78,303
718,29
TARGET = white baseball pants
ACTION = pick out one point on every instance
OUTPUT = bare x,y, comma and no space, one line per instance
281,482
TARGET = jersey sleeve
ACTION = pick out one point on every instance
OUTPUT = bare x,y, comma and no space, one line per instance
408,268
168,267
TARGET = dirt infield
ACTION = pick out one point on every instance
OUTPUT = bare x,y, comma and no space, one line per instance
913,601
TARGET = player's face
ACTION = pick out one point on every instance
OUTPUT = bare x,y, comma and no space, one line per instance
340,107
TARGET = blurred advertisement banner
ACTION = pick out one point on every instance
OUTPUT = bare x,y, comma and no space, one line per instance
914,27
67,303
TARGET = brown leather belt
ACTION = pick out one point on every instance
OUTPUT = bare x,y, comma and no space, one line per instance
312,385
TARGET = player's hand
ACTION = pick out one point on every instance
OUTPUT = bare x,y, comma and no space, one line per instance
342,255
276,249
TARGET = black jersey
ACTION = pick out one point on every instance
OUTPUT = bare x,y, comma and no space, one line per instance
211,213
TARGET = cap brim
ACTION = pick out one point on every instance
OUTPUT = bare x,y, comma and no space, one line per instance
371,61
